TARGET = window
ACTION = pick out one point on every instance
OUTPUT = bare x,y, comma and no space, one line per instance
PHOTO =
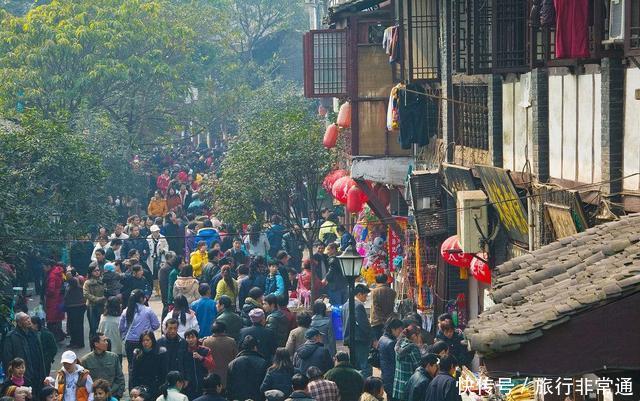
471,121
422,33
632,33
510,35
325,63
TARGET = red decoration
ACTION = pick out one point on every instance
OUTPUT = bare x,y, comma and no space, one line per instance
480,270
356,199
331,178
322,111
383,194
344,115
330,136
341,187
452,253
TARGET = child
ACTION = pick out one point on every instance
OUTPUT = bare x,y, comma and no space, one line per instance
171,389
15,376
102,391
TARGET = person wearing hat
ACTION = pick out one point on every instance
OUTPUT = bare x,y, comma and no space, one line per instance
73,381
419,381
158,247
361,340
312,353
267,341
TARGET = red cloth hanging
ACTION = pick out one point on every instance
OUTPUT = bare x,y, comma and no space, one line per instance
572,28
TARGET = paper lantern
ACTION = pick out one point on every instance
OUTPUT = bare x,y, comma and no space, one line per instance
480,270
383,194
331,178
322,111
451,252
344,115
356,199
341,187
330,136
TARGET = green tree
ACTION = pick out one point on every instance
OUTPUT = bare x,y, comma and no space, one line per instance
275,163
47,171
132,59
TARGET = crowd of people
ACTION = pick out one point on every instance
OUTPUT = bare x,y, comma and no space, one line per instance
228,331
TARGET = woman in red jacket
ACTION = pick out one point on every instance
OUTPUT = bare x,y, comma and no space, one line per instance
54,300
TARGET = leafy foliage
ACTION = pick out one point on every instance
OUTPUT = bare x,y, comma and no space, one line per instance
47,171
276,162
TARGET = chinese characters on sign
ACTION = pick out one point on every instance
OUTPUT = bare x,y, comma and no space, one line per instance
622,386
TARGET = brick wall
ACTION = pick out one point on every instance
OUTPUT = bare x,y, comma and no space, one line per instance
612,125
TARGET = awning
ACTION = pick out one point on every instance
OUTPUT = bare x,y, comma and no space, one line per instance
385,170
351,6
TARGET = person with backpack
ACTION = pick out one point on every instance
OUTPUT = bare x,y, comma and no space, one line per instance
73,381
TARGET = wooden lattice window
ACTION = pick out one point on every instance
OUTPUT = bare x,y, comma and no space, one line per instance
471,121
471,36
325,63
422,35
510,45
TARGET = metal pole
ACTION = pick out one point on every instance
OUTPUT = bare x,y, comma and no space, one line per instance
352,319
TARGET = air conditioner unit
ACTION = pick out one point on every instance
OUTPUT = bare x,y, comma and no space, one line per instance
616,21
472,208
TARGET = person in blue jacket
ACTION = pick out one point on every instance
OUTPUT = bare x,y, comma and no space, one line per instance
207,234
274,283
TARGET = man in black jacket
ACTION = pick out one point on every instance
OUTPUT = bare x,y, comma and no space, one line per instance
174,233
266,339
293,242
443,387
334,280
312,353
176,348
363,336
419,381
247,372
22,342
135,241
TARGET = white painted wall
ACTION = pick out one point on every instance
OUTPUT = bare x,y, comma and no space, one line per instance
574,126
631,147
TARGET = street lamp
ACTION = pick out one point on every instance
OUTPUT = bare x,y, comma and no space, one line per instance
351,263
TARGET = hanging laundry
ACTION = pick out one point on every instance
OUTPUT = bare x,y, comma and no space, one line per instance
572,28
543,13
416,112
393,118
386,40
394,56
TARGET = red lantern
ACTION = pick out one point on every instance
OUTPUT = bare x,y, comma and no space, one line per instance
383,193
344,115
341,187
331,178
480,270
322,111
330,136
452,253
355,199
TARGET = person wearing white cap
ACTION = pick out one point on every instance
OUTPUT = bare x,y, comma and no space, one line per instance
73,381
158,247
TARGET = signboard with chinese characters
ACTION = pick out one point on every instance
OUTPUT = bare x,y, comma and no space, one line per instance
504,198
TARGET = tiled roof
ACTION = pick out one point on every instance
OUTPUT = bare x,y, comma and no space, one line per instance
547,287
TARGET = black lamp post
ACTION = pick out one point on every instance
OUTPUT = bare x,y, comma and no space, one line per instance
351,263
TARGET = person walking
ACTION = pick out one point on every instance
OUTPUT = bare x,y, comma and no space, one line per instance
75,305
361,339
373,389
297,336
186,285
199,258
104,364
73,381
321,389
175,346
223,349
171,389
407,360
334,280
256,243
181,312
383,300
110,326
419,381
14,376
255,299
212,387
158,247
300,392
205,310
47,343
136,319
293,242
444,387
243,386
321,322
349,381
267,341
226,315
200,362
387,352
149,364
279,374
227,285
274,283
312,353
54,298
93,291
276,320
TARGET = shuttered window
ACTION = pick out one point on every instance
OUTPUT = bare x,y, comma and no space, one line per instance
325,63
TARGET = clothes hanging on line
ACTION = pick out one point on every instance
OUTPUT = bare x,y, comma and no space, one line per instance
393,118
572,28
418,116
391,43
